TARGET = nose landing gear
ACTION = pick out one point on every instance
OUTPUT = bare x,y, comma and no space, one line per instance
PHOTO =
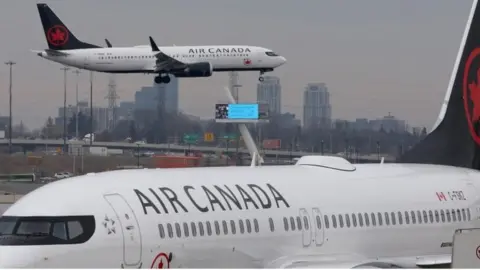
261,78
162,79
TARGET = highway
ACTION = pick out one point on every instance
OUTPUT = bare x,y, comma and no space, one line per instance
172,148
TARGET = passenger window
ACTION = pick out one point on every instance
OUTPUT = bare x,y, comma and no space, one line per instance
340,220
430,215
178,230
209,228
285,223
225,227
419,217
392,214
272,226
334,221
459,216
407,218
185,229
319,222
464,215
360,219
170,230
232,224
414,219
74,229
354,220
217,227
437,216
194,229
442,215
292,223
425,217
347,219
306,223
249,226
299,223
200,229
161,231
454,217
469,217
387,219
255,225
327,224
449,219
367,222
242,228
59,230
400,219
374,220
380,220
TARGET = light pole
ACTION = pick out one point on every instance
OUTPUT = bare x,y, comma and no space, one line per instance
10,63
65,69
138,155
76,102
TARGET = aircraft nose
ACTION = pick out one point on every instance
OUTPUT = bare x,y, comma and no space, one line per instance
283,60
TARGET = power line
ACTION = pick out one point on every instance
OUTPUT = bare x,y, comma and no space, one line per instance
10,64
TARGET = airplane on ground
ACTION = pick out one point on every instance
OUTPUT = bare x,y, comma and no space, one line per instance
321,212
180,61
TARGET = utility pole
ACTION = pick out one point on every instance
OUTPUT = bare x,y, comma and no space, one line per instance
91,108
10,64
112,103
65,69
76,104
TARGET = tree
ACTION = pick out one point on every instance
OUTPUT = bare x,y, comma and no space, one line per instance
133,131
424,132
48,130
83,125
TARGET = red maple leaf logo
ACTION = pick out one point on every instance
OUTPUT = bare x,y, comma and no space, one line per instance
474,88
247,61
57,35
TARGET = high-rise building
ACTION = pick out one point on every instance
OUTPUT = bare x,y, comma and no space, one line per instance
317,112
270,92
125,110
151,97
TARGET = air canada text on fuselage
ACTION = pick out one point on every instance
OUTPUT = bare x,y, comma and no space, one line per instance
164,200
219,50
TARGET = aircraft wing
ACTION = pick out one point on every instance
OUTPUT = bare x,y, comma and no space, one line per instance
355,261
167,63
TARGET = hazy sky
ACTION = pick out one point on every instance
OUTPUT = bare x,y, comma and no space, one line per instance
375,56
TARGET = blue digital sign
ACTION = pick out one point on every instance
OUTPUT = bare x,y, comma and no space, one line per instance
243,111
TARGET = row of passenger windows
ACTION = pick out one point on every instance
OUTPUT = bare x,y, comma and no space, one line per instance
392,218
206,228
174,56
300,223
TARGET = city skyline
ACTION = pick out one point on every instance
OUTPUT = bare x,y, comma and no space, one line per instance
348,49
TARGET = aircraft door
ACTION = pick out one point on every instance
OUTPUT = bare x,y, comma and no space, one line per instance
318,226
132,240
306,228
85,61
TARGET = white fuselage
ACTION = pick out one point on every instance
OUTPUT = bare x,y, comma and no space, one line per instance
200,216
141,59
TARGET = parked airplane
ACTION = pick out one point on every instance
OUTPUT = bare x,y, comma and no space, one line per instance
180,61
322,212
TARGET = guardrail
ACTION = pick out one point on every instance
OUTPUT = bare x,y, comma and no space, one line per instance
23,177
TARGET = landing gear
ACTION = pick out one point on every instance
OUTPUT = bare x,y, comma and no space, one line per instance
162,79
261,79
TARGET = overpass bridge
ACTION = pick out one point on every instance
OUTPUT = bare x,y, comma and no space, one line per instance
38,143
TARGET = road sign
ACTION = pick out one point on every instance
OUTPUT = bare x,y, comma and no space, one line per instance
208,137
190,138
230,137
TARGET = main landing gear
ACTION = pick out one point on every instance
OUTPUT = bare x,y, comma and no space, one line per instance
162,79
261,79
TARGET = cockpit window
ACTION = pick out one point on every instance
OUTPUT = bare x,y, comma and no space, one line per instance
55,230
271,54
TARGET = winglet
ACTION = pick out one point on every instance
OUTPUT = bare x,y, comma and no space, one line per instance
153,44
109,45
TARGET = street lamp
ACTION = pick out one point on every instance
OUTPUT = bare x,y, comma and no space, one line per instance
65,69
10,63
77,72
138,155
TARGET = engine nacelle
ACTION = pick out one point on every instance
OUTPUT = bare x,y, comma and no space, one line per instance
204,69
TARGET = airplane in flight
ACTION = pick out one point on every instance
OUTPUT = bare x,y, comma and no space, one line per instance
322,212
180,61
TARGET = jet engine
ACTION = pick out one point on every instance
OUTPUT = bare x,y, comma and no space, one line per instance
203,69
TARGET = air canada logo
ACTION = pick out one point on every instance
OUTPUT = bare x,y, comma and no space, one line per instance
471,93
57,35
247,62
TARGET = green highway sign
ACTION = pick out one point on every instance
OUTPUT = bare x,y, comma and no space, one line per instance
190,138
230,137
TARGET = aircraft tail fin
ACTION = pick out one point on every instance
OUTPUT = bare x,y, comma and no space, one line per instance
58,36
109,45
455,138
153,45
